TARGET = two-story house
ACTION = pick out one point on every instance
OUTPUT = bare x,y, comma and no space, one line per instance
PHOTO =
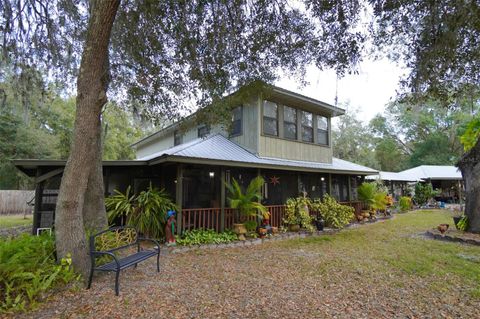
283,136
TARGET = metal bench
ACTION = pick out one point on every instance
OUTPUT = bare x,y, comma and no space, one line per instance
119,263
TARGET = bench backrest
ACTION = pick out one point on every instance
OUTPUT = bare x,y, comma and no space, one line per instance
113,239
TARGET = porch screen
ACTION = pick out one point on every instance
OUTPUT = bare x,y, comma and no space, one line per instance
340,187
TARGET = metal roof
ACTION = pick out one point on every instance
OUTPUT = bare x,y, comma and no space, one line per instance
218,148
419,173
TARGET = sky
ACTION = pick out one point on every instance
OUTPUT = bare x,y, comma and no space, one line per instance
369,91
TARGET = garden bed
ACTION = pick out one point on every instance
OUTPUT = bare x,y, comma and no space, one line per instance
455,236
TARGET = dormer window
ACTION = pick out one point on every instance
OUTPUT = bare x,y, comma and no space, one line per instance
270,118
177,138
203,130
322,130
236,121
307,127
289,123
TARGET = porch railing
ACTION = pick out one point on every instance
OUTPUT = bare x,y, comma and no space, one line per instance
210,218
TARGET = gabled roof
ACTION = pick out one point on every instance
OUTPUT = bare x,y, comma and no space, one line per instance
217,148
419,173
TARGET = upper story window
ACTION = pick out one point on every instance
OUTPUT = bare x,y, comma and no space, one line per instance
203,130
289,122
236,121
270,118
177,138
322,130
307,126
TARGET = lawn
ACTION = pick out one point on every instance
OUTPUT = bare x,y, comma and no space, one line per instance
382,270
15,220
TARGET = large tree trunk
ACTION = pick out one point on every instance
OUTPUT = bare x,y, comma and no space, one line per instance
92,86
469,164
94,214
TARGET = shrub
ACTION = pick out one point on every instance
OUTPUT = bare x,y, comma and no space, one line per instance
297,212
28,269
423,193
145,211
334,214
251,225
366,193
405,203
205,236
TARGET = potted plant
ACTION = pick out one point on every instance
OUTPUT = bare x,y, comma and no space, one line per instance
247,203
457,215
366,193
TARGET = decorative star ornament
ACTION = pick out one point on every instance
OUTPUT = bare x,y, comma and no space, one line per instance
274,180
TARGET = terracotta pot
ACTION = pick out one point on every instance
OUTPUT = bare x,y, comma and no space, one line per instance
294,228
262,232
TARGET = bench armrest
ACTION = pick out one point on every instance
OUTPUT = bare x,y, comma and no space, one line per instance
100,253
150,240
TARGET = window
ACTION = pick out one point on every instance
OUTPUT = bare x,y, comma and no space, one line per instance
177,138
203,130
290,123
322,130
236,121
270,118
307,126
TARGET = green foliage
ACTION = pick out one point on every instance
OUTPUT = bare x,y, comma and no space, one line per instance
471,135
146,211
380,201
248,202
110,240
366,193
251,225
423,193
28,269
463,223
205,236
297,212
334,214
405,203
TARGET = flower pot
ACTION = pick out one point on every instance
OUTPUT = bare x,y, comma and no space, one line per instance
240,230
456,220
262,232
294,228
319,224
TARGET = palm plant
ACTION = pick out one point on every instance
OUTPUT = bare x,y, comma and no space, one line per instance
366,193
146,212
248,203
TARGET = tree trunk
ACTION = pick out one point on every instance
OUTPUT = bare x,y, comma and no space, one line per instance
94,214
92,86
469,164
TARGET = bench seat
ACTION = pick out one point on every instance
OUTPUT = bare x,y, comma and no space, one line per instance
127,261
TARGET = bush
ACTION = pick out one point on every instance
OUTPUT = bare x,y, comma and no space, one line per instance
297,212
423,193
145,211
251,225
334,214
405,203
205,236
28,269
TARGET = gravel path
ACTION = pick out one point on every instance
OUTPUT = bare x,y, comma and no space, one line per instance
309,278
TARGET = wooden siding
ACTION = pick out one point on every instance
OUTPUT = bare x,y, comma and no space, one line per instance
293,150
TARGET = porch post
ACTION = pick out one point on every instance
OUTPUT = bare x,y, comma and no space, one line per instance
222,199
37,204
330,184
179,197
349,184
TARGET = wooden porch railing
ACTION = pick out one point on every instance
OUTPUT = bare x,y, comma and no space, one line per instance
210,218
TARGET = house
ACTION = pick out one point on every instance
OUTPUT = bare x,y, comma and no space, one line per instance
447,179
278,134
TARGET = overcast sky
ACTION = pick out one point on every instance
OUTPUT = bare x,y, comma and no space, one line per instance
369,90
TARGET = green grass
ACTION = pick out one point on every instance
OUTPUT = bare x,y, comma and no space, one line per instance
15,220
395,247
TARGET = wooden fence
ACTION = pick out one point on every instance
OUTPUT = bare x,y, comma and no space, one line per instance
15,202
210,218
